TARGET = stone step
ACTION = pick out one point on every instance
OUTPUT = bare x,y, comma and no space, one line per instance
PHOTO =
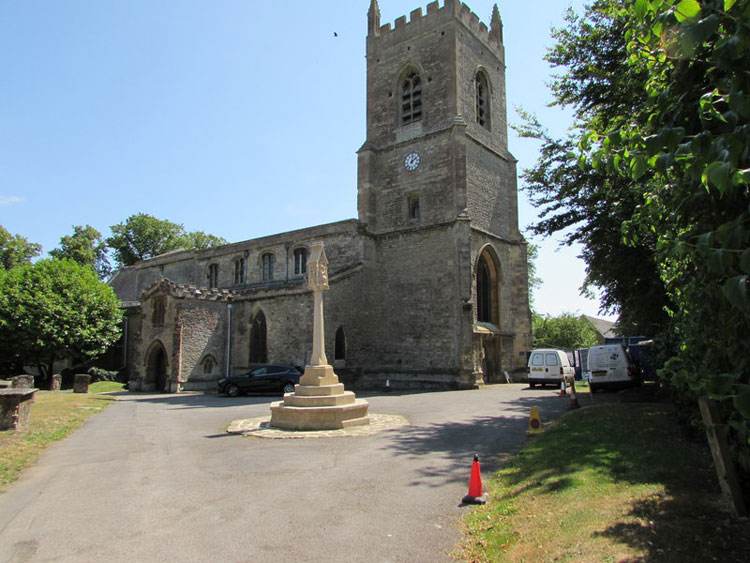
318,390
296,400
319,418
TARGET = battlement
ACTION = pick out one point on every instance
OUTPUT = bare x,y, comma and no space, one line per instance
437,15
183,291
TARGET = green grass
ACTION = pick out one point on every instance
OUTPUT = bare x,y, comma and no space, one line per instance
54,415
610,482
106,387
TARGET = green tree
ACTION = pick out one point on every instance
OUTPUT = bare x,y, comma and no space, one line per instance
85,246
200,240
567,331
685,154
532,253
586,205
143,236
55,309
16,250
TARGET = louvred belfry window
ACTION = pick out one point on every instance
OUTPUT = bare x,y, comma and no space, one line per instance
411,98
483,106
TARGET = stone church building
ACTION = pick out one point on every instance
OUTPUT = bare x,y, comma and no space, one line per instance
428,288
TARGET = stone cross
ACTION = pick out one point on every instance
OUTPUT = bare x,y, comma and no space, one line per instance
317,281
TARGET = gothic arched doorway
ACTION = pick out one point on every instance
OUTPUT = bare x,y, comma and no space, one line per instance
489,317
156,367
258,343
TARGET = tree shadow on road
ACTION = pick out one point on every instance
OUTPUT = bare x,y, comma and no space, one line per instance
196,400
453,444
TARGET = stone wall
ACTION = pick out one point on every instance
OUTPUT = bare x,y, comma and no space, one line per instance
203,334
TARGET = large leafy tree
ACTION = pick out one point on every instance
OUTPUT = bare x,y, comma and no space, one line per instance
532,254
685,155
16,250
85,246
695,144
55,309
585,205
567,331
143,236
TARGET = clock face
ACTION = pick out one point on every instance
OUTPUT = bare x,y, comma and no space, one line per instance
411,161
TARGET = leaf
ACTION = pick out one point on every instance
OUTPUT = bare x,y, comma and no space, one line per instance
728,4
745,261
716,262
741,176
742,402
673,136
638,167
718,173
704,244
687,10
641,8
704,29
735,291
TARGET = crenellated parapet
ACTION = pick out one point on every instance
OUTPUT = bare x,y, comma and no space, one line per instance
435,16
183,291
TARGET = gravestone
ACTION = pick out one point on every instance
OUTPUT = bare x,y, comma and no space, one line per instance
81,383
55,383
23,381
15,406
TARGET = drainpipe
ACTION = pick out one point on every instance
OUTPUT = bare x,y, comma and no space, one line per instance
125,344
229,339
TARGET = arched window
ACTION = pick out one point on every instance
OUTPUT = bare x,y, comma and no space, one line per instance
411,98
414,209
340,347
160,311
209,364
483,100
267,261
258,349
483,292
488,289
239,271
213,275
300,261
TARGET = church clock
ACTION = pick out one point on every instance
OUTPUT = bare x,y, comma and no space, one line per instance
411,161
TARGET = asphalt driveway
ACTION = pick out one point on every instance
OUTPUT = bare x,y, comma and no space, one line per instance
157,478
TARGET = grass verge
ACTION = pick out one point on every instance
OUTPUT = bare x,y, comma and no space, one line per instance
54,415
610,482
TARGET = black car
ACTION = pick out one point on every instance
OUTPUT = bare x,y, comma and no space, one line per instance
262,379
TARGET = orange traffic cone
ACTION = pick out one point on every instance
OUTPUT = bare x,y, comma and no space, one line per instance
573,399
563,393
476,494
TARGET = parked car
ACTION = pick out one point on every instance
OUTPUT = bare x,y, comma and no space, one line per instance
262,379
549,367
610,366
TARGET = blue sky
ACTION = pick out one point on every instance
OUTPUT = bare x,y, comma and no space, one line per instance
239,118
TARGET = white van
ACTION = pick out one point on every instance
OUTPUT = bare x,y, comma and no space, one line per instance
610,366
549,367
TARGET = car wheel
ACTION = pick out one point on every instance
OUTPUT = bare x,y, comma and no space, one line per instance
232,390
288,388
592,389
532,385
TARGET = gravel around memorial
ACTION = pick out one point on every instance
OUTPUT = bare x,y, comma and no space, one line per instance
258,427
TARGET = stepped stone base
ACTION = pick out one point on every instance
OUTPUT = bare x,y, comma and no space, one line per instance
319,402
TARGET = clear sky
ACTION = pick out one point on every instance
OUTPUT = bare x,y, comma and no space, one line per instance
240,118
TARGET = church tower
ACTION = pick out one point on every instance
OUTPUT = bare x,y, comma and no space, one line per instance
437,196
